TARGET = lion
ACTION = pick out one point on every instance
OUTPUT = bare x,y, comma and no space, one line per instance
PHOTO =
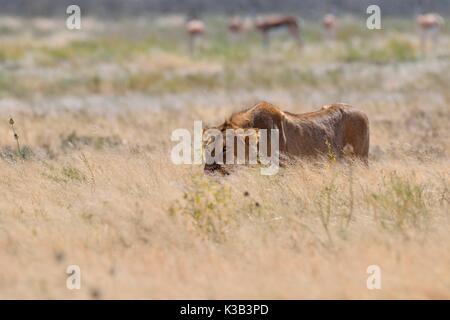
338,129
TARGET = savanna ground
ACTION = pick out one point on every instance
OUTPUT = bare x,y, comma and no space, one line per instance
93,184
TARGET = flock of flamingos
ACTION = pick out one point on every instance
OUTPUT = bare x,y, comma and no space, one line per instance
428,24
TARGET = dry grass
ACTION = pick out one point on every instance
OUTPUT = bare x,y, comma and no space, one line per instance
96,186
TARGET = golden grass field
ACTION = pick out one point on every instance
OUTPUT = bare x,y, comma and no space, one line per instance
93,184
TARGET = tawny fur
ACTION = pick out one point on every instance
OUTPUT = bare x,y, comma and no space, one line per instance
312,134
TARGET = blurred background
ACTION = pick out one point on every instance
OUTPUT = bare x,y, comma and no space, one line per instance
86,176
306,8
145,49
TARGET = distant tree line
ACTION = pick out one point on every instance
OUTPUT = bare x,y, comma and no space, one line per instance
197,8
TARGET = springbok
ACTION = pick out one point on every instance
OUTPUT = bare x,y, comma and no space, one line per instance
235,25
267,24
330,25
195,29
429,26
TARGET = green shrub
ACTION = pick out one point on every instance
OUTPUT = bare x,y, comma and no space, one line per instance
207,204
400,204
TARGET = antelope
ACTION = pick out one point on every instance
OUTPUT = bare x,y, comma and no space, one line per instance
235,25
429,26
267,24
195,29
330,25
